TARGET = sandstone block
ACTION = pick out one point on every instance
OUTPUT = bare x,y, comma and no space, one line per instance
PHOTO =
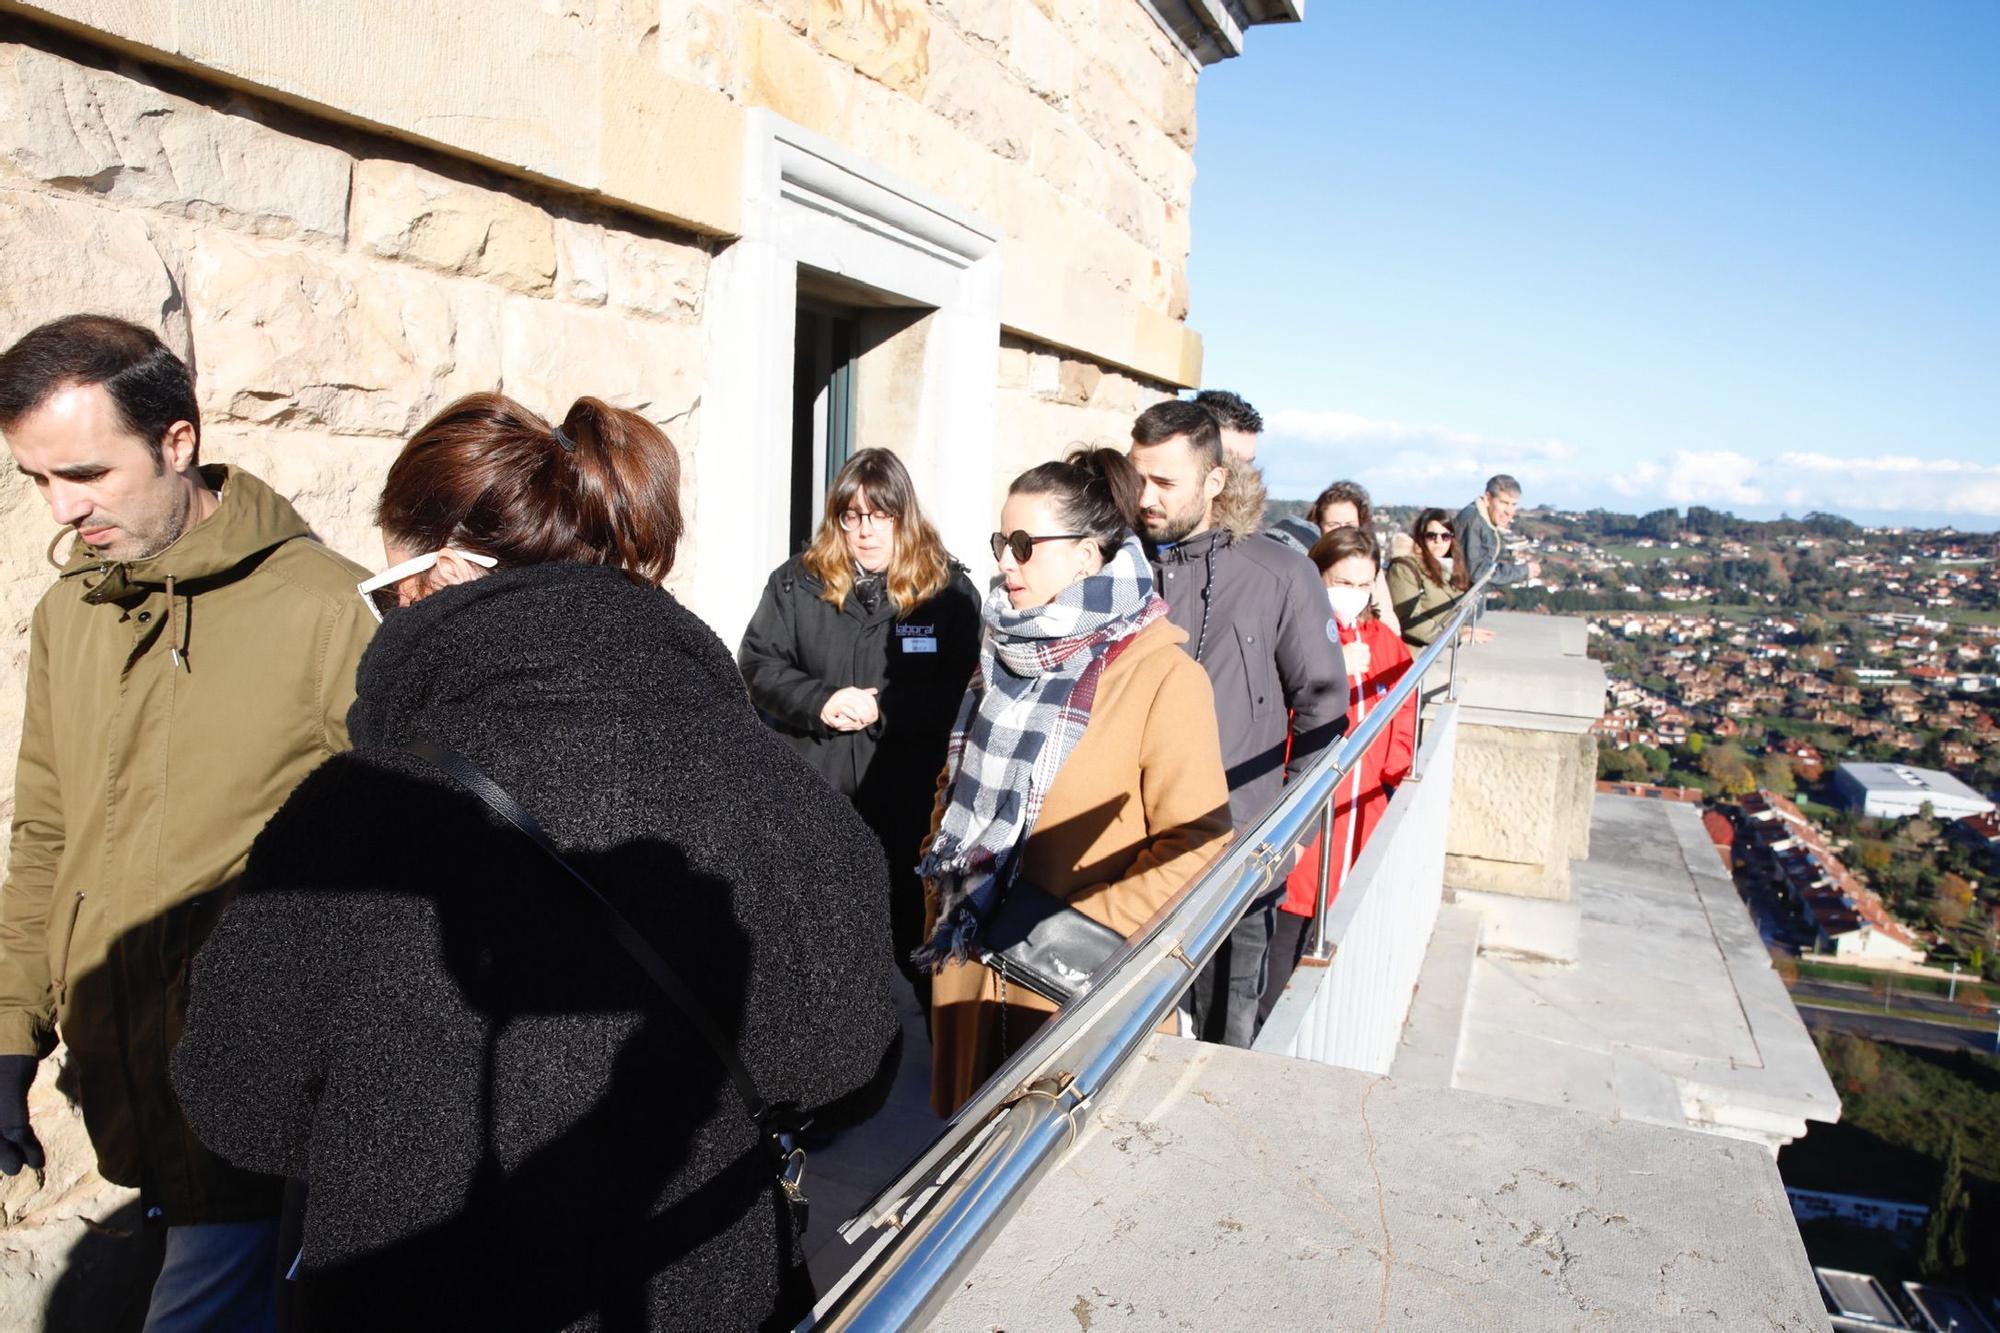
888,40
287,338
332,480
1516,802
697,41
65,257
115,137
1040,55
1077,381
552,355
781,71
583,272
1013,366
405,212
977,97
988,23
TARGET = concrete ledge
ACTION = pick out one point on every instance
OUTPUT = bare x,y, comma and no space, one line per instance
1429,1050
1525,927
1225,1189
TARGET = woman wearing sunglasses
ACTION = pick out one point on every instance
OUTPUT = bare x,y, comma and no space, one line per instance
1084,761
858,655
503,1119
1420,584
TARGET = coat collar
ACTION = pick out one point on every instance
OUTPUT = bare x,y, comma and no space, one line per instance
1198,547
250,519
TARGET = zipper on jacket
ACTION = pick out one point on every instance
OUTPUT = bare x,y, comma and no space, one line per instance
59,981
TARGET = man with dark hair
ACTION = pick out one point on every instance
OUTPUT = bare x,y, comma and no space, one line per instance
192,663
1480,529
1256,618
1241,424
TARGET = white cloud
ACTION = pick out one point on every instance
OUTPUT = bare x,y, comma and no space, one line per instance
1412,463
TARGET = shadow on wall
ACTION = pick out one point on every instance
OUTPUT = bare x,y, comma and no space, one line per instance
504,1123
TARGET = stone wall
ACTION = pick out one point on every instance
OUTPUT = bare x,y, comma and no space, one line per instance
332,291
1053,401
1069,125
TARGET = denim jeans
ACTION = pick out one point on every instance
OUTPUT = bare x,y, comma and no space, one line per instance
218,1278
1227,991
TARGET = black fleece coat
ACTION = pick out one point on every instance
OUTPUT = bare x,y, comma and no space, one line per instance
800,648
501,1122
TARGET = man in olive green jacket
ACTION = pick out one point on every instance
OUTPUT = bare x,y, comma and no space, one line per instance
193,661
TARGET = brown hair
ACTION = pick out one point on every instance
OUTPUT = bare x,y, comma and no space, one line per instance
1354,493
1342,543
491,476
921,566
1427,561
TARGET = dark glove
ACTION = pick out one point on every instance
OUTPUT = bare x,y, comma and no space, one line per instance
18,1144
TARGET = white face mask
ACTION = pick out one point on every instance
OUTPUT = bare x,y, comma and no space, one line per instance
1348,603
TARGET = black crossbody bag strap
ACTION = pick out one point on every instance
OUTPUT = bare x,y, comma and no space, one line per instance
778,1124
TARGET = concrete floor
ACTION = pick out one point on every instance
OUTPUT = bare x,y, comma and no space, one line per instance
844,1177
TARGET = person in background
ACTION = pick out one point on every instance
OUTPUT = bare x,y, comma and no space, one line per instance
858,655
1085,759
1420,583
1479,538
1345,504
503,1119
1349,561
192,662
1240,507
1256,618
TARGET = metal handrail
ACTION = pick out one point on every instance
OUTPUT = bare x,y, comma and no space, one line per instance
947,1206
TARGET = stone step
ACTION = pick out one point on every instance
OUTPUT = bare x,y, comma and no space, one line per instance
1428,1054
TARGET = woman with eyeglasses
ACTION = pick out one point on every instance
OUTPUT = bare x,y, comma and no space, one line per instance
1349,562
504,1115
1420,584
858,655
1084,762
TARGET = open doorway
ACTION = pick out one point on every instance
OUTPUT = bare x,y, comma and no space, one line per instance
858,368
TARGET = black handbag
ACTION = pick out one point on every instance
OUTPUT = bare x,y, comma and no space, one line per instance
779,1126
1037,940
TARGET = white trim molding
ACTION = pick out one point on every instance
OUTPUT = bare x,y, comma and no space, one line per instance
810,203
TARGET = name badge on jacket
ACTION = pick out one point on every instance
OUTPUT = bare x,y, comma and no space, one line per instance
918,638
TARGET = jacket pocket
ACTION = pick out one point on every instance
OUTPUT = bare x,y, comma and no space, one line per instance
60,948
1260,673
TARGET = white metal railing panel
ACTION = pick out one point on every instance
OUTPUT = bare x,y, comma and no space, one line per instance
1350,1010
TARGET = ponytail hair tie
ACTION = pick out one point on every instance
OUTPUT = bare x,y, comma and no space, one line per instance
563,439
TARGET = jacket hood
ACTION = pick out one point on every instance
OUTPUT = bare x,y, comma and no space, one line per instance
527,639
1240,507
250,519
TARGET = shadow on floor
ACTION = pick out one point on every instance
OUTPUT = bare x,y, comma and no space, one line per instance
845,1175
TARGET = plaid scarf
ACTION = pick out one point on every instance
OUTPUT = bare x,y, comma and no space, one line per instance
1025,711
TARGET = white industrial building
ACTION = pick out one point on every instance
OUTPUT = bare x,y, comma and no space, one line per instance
1894,791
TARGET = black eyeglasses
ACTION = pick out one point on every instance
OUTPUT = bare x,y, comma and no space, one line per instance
1439,536
852,519
1023,544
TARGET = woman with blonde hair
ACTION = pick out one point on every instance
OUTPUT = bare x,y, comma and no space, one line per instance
858,655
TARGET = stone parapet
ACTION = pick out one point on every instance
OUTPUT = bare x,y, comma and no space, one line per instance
1527,763
1223,1188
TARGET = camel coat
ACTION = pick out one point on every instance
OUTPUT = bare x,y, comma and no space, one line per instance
1139,809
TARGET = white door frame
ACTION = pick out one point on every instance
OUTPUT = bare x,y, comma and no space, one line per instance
808,201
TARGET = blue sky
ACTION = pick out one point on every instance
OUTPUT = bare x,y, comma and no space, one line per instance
1738,254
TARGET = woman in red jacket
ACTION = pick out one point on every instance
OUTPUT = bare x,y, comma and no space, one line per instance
1349,560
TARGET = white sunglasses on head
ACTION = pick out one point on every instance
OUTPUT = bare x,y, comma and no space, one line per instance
380,591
